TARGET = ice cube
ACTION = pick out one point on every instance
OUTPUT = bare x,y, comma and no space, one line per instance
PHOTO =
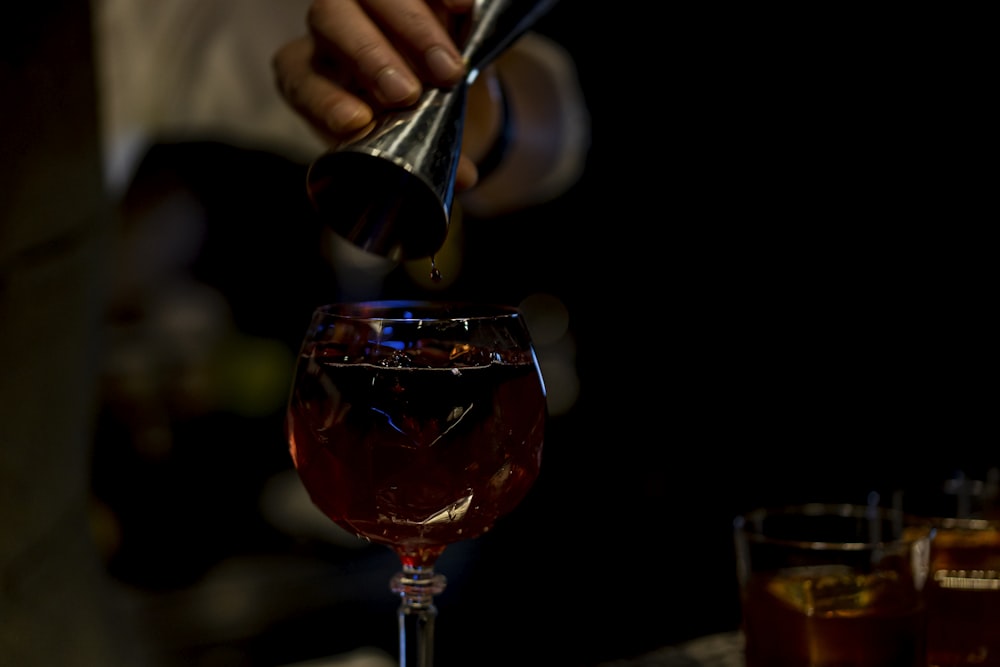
395,359
829,589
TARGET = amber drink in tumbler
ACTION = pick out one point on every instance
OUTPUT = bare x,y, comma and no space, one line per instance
963,591
833,585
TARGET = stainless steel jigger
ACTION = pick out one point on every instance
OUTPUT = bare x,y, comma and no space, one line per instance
390,192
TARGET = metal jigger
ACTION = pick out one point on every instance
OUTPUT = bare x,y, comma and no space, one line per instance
390,192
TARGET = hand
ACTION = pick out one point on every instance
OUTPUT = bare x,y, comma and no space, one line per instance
363,57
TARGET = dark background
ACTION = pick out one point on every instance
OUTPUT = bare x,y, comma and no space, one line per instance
779,282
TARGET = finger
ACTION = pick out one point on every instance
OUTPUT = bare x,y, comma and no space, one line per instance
458,6
420,30
466,175
344,31
392,44
327,106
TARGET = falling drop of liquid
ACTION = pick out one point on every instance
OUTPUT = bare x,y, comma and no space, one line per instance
435,272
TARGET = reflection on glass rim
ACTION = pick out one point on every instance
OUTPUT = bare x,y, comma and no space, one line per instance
890,526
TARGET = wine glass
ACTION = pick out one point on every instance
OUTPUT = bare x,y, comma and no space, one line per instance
415,425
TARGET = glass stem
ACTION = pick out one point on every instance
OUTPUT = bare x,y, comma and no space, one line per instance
416,587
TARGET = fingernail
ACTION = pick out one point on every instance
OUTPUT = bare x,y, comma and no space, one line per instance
443,65
347,115
396,86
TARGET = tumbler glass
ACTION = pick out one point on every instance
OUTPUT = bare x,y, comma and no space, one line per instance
963,590
828,585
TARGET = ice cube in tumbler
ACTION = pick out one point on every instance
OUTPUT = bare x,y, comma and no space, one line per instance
829,589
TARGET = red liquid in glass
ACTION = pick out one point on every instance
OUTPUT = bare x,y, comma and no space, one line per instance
416,458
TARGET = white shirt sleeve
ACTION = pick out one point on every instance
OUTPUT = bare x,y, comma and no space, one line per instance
194,69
